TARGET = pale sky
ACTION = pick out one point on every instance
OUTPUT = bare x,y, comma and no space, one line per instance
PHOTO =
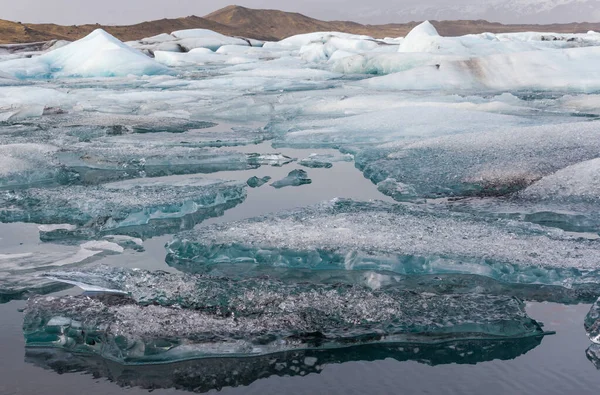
375,11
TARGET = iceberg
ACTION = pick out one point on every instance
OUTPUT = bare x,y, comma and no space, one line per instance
344,235
204,38
572,71
189,41
294,179
171,317
139,208
425,38
300,40
97,55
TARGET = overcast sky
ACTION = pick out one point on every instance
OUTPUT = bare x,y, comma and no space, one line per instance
375,11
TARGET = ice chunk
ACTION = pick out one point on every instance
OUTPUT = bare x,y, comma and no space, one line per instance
97,55
425,38
572,70
276,160
317,161
592,323
23,165
301,40
102,162
294,179
175,317
348,235
20,272
480,164
397,190
579,182
204,38
197,56
255,182
593,355
137,207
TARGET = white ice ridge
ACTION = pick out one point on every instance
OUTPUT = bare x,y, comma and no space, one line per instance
425,60
97,55
187,40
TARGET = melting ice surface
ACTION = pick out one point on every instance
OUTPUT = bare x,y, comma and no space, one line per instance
488,144
352,235
127,206
174,317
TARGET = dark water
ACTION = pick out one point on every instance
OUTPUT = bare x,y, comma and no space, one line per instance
556,364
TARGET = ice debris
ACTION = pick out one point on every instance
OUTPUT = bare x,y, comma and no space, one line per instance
592,323
173,317
294,179
255,182
21,272
326,161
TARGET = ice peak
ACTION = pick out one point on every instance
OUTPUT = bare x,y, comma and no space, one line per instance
99,54
425,29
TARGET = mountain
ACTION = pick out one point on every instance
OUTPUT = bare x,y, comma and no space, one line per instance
16,32
279,24
513,11
267,25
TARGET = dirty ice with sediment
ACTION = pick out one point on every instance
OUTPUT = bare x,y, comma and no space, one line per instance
325,191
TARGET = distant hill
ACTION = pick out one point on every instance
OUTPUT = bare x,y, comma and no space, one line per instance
15,32
263,25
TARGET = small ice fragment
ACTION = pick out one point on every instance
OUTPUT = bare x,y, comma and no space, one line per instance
592,323
255,182
294,179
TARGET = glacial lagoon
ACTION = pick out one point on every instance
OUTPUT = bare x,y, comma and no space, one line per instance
327,213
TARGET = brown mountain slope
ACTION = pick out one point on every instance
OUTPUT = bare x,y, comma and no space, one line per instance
264,25
282,24
13,32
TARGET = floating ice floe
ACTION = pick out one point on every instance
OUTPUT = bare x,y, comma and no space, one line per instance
255,182
294,179
171,317
347,235
481,164
317,161
141,208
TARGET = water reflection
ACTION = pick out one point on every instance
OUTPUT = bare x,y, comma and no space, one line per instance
209,374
